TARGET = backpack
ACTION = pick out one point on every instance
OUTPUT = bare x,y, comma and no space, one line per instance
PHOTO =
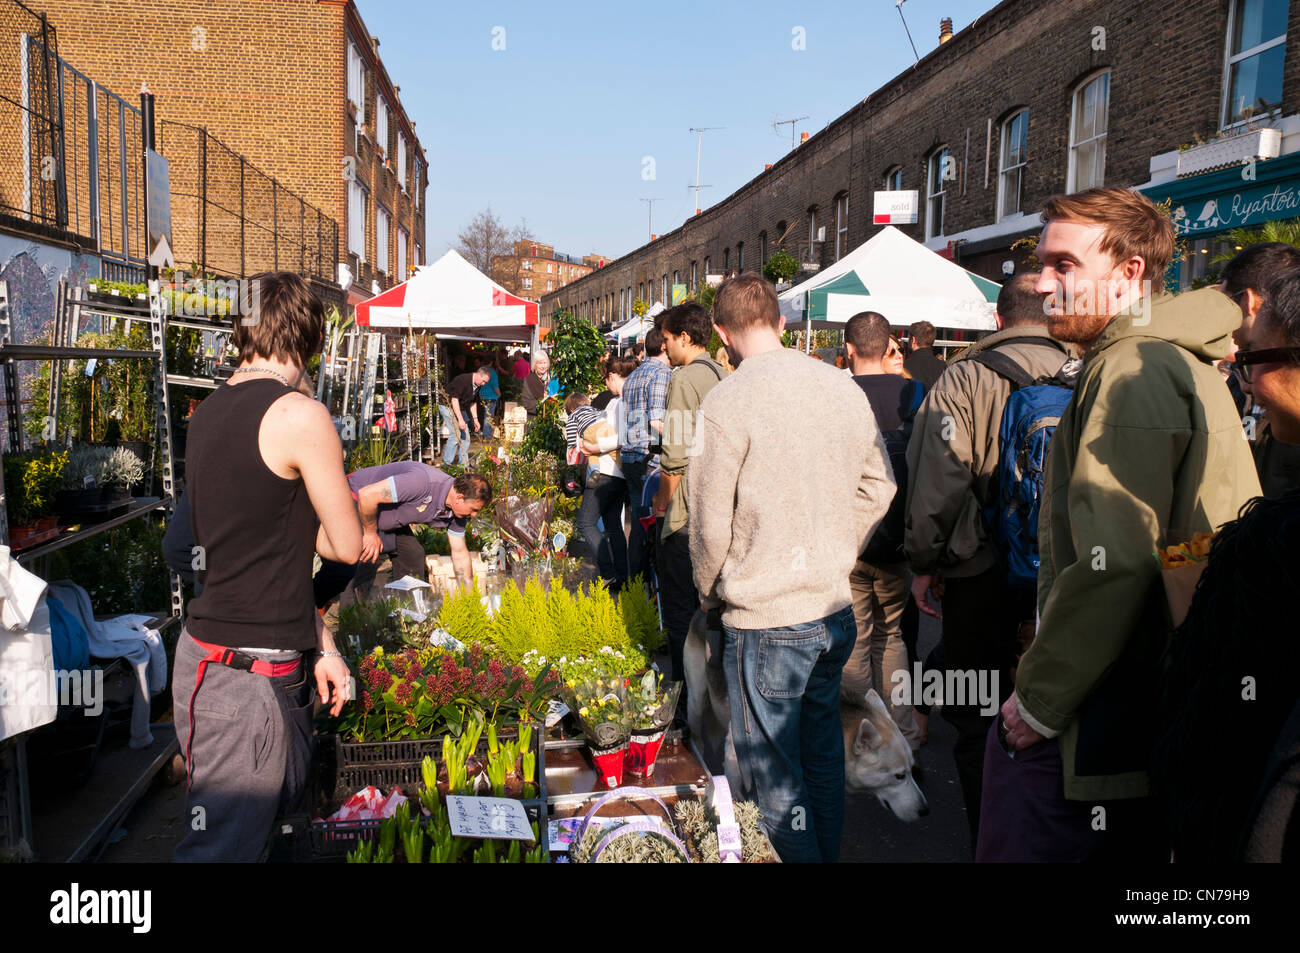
886,543
1029,420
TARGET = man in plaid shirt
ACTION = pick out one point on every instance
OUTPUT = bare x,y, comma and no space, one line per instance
641,417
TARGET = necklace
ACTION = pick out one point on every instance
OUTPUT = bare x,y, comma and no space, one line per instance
261,370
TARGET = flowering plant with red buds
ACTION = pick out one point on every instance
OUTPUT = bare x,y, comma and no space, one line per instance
423,694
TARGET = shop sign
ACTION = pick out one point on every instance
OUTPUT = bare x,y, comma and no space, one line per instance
1241,208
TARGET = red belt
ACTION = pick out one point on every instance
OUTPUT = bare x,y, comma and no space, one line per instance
241,661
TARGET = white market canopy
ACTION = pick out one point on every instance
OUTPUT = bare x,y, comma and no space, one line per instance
899,278
636,329
454,299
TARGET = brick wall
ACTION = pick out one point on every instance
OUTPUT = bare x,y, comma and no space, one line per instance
1165,88
267,79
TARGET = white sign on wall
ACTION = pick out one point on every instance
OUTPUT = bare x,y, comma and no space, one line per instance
896,208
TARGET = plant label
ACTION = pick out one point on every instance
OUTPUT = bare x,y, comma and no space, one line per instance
495,818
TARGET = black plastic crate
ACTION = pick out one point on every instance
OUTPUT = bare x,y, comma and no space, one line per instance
343,768
390,764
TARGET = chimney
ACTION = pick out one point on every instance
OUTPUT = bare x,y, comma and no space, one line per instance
766,166
803,137
653,237
945,30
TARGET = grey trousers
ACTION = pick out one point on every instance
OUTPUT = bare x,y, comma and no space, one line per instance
247,741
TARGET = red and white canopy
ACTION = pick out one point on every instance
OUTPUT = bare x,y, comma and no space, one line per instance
455,299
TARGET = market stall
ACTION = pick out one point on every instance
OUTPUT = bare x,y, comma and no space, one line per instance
899,278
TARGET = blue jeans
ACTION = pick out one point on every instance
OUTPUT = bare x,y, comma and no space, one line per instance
784,686
600,521
457,438
489,408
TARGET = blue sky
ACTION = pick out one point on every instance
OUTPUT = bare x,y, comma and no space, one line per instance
555,128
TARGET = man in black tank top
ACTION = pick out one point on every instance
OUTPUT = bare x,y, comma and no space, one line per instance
267,491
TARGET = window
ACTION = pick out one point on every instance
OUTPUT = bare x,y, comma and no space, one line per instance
415,181
381,123
694,277
419,255
762,248
526,264
677,279
357,219
550,286
740,257
381,239
663,291
401,254
1011,167
893,181
812,234
706,268
357,82
401,160
1252,82
1088,121
841,225
726,261
549,267
528,282
938,174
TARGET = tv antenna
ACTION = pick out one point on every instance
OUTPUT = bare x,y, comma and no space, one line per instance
899,7
788,122
699,143
650,207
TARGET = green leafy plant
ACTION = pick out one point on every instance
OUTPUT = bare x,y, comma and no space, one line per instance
576,349
544,434
375,452
363,626
780,267
31,480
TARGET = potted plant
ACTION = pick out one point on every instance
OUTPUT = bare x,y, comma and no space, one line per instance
31,480
120,469
79,487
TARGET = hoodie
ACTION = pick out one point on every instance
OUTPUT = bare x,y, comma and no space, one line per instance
1149,452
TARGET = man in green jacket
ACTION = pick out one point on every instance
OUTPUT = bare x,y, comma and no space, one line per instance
1149,452
952,462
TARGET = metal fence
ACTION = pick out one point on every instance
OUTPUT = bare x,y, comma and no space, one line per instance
31,159
103,168
232,219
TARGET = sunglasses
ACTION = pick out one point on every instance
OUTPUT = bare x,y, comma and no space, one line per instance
1268,355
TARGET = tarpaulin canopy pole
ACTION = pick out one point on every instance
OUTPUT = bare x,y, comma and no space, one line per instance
807,341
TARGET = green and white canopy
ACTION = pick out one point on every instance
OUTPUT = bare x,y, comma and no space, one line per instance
899,278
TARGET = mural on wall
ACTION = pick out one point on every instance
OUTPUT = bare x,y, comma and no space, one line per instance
32,271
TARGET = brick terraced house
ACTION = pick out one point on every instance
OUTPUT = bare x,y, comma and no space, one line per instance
296,86
1033,98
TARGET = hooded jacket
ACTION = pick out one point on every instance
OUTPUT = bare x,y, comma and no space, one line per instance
1149,452
953,453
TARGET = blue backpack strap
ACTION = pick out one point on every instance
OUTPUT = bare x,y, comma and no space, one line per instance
918,396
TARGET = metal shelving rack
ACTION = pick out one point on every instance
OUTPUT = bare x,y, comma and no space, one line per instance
69,310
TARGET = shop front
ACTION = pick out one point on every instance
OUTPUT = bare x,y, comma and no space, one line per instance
1207,209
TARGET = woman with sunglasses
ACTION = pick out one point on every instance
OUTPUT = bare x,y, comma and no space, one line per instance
1231,686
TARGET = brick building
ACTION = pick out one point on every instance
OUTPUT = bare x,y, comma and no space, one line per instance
1035,97
296,86
535,269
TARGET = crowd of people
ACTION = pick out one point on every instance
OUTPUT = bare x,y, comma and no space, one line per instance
1017,492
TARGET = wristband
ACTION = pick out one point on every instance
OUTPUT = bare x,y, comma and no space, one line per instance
329,654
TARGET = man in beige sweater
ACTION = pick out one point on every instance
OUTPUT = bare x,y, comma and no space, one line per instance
782,503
